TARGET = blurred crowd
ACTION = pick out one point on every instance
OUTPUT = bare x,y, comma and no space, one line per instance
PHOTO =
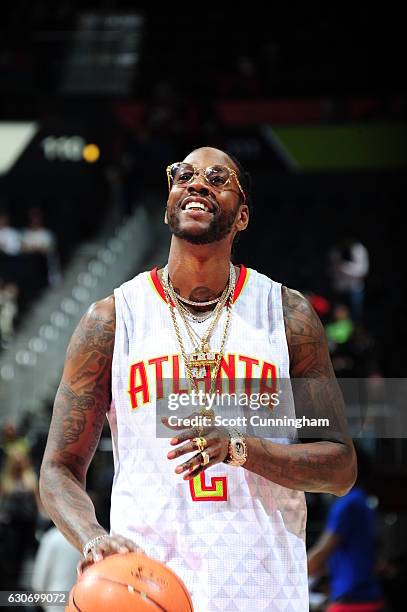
33,553
349,567
348,555
340,302
29,262
353,348
351,555
348,558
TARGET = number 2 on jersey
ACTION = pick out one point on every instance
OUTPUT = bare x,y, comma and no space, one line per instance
216,490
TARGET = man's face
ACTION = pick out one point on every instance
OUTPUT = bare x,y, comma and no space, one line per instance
223,214
74,424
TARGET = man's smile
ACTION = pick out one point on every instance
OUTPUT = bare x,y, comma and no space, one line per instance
198,203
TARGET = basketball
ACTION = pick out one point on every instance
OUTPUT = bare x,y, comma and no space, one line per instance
127,583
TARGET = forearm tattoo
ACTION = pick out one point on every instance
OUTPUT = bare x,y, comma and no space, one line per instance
80,405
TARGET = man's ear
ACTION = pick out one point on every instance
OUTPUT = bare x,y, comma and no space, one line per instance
166,217
243,218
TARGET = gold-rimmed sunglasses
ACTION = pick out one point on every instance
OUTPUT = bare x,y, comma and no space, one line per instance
217,176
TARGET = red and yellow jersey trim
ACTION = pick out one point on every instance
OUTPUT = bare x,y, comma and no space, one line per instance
241,283
156,284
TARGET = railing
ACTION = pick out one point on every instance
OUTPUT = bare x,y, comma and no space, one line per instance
30,368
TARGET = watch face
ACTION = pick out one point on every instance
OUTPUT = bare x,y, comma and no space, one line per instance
239,448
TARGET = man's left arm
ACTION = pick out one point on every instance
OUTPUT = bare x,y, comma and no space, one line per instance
319,554
315,466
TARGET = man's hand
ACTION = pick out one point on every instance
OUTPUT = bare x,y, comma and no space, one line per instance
109,545
217,446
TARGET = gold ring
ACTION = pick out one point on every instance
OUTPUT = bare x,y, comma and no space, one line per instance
205,458
200,443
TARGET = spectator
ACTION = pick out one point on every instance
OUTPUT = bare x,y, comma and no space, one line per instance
11,439
10,241
8,311
18,514
339,334
341,328
349,266
55,565
38,239
353,350
348,547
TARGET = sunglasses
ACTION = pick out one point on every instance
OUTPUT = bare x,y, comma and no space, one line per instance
217,176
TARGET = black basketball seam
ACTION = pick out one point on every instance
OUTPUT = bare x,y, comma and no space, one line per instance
74,602
123,584
188,594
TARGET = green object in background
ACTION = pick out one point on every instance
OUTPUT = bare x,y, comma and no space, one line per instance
339,331
345,146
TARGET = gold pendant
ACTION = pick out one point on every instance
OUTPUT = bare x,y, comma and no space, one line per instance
200,360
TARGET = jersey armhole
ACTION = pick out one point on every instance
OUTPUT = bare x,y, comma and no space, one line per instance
112,368
283,327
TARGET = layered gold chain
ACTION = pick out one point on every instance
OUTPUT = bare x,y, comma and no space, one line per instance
226,299
216,314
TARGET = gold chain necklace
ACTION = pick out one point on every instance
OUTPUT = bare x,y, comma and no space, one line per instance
203,342
197,362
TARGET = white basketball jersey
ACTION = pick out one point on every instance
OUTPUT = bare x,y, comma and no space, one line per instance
236,539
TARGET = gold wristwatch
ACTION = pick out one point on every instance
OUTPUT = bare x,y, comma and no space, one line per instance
237,452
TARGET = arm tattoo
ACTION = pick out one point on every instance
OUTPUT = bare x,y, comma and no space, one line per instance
305,337
326,462
72,417
80,405
84,394
316,390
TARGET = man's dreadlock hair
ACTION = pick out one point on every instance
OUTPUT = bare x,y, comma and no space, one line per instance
246,182
244,179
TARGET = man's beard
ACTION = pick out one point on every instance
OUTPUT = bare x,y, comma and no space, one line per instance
218,229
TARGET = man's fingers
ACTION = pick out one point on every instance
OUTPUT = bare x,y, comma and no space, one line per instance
195,465
189,447
192,463
195,462
191,475
188,434
108,546
84,564
127,544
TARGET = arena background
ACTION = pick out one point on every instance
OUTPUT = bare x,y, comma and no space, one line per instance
97,98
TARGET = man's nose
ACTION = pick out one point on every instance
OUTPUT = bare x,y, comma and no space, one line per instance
198,184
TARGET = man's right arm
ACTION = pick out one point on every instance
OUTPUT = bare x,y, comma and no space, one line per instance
81,402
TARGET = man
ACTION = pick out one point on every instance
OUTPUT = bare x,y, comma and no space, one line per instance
54,565
348,547
229,519
349,267
10,240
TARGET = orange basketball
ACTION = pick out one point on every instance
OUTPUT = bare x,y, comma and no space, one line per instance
128,583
